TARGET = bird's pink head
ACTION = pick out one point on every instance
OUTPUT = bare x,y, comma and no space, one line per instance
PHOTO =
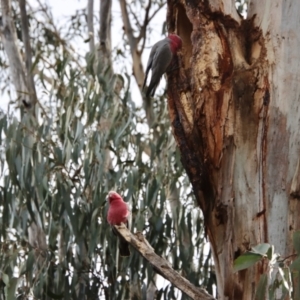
176,42
112,196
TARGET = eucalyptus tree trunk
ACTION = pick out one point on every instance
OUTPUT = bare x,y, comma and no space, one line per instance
233,105
23,81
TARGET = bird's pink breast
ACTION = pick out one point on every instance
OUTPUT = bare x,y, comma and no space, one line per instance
117,213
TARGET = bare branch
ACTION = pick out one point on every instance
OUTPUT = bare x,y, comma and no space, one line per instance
147,20
155,12
161,265
9,40
128,28
28,55
136,55
105,20
105,34
143,31
68,49
90,24
135,17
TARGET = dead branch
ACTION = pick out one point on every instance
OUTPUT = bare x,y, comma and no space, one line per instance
161,265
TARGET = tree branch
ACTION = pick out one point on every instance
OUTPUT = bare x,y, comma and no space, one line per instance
161,265
143,31
155,12
9,40
138,24
136,55
90,24
28,55
128,28
105,35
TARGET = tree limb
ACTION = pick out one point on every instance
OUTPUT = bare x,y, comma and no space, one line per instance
28,55
128,28
90,24
9,40
138,24
136,55
105,35
155,12
161,265
143,31
147,20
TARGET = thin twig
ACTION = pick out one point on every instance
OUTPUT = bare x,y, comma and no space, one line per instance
155,12
67,48
135,17
143,32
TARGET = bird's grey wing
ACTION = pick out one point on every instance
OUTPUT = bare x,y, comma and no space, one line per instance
150,59
161,60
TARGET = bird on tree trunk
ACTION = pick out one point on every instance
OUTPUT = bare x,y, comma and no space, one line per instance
160,60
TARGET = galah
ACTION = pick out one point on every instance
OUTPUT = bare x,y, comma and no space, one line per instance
160,59
118,213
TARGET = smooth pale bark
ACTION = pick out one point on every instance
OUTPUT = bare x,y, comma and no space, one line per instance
233,104
28,54
104,52
90,25
10,44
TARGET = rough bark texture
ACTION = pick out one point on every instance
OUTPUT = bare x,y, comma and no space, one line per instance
233,105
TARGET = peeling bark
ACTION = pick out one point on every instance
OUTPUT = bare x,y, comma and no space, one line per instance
233,105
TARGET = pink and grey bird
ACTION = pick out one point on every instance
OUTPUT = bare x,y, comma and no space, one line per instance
160,59
118,213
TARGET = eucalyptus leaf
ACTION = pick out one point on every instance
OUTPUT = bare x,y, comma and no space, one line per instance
296,241
246,261
261,249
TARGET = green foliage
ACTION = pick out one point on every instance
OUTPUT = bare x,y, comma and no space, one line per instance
246,260
286,278
249,258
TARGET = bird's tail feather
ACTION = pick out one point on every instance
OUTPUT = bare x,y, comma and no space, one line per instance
152,88
123,247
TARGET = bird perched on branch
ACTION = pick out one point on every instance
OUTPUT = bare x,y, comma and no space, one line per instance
118,213
160,59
